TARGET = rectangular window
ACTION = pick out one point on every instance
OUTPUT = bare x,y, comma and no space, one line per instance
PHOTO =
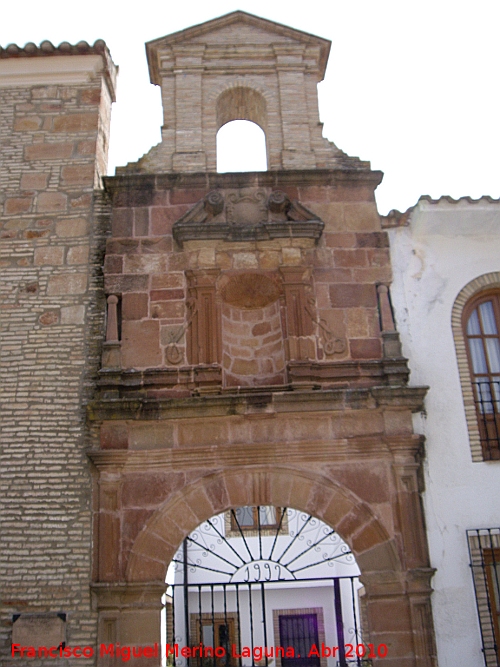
249,517
255,520
484,549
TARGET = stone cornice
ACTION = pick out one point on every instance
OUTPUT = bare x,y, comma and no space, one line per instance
156,49
261,231
211,180
233,455
220,405
127,594
130,383
215,217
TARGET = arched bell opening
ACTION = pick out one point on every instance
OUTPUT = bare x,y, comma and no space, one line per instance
266,586
241,146
241,121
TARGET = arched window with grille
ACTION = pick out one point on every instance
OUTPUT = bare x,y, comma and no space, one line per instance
481,326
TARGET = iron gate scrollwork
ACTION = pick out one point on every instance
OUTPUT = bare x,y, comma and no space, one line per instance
238,579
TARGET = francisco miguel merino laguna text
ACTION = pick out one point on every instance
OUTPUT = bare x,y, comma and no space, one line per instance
199,651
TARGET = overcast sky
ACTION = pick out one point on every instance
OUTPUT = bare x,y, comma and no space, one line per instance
411,86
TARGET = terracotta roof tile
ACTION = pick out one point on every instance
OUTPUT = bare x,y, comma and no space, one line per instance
46,48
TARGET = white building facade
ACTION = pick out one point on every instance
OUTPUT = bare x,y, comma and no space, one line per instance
445,296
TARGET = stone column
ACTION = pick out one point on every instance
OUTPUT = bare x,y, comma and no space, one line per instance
299,329
109,530
405,449
399,618
129,618
204,337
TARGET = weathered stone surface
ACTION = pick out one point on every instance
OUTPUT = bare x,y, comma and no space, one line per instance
70,283
78,255
53,255
51,202
353,295
73,315
78,175
39,629
34,181
75,122
71,227
134,306
49,151
16,205
49,317
141,344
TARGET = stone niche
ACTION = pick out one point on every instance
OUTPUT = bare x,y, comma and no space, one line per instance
252,337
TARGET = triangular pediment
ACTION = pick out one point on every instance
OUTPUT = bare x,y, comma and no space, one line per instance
238,28
249,215
256,26
241,32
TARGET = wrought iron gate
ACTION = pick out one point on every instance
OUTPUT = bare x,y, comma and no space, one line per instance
242,597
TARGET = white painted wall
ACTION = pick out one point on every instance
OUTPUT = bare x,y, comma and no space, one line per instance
445,246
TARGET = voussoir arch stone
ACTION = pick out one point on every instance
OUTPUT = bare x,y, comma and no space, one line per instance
241,103
337,506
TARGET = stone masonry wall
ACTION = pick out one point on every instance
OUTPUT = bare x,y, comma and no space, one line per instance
252,346
145,267
54,146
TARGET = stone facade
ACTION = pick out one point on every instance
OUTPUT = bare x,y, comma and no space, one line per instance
332,435
250,355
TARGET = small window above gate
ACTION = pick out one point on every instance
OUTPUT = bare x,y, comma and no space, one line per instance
250,520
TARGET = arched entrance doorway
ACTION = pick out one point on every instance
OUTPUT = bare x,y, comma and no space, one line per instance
264,585
397,593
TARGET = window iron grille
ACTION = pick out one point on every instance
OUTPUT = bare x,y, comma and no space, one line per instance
482,331
487,400
484,551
